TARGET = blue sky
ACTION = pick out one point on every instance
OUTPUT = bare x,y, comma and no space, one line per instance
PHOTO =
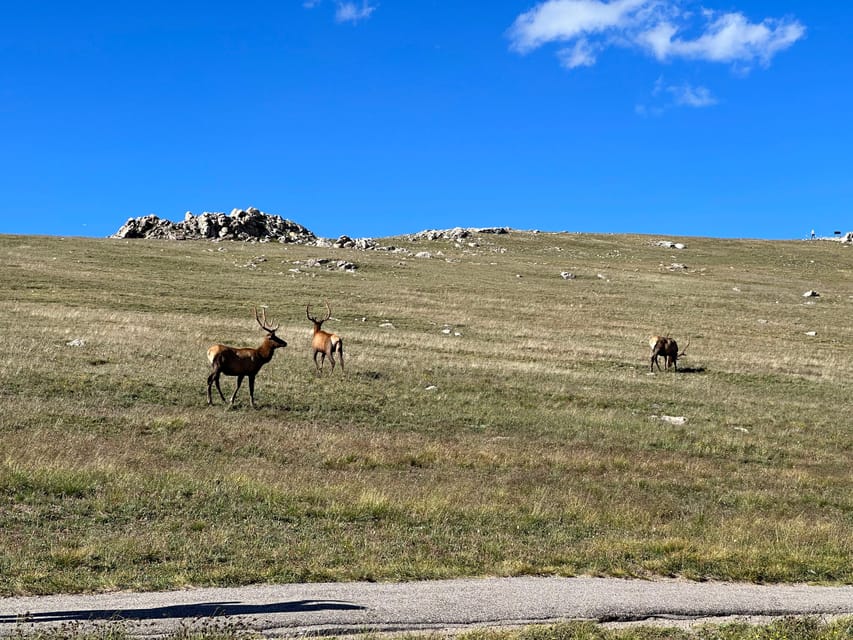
728,118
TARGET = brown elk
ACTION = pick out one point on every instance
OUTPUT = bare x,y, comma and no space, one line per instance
666,347
243,363
324,343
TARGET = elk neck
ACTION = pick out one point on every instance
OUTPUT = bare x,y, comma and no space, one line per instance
267,349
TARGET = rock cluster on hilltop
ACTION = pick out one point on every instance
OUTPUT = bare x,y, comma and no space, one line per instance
457,233
254,225
249,224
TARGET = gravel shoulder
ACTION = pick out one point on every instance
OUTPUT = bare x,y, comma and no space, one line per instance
351,608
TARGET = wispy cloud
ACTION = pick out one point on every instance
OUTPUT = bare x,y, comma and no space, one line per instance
686,95
666,96
353,12
658,27
346,11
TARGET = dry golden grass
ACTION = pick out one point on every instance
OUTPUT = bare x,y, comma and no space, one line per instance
528,443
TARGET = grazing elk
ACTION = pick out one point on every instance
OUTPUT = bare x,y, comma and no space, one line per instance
666,347
323,342
242,363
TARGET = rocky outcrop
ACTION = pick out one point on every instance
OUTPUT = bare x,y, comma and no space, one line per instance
457,233
249,224
256,226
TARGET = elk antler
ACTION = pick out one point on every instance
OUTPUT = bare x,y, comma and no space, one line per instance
263,322
313,319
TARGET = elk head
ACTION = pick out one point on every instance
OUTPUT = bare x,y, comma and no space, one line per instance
272,341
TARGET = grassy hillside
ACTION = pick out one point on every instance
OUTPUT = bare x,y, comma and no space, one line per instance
493,418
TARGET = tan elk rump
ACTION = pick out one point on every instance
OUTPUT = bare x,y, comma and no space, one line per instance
324,343
666,347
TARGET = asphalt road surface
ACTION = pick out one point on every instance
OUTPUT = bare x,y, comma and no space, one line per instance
351,608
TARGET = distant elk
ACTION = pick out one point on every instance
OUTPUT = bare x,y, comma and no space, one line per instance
244,362
666,347
324,343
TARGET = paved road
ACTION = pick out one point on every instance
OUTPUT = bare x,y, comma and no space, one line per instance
349,608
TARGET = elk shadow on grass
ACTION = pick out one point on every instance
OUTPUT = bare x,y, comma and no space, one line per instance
691,369
191,611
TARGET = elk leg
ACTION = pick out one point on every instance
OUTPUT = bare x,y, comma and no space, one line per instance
214,378
252,391
654,362
219,389
237,388
209,383
332,360
341,354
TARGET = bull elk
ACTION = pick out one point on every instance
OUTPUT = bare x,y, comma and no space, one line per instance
243,363
666,347
324,343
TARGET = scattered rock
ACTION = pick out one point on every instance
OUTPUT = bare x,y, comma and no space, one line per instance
76,342
254,262
567,275
363,244
676,420
386,325
670,245
423,254
329,264
811,333
677,266
811,294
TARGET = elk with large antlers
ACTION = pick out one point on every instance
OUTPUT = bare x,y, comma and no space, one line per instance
243,363
324,343
666,347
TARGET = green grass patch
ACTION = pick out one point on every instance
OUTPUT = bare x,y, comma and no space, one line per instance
789,628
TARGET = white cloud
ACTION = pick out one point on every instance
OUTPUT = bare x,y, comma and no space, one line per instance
658,39
352,12
686,95
733,38
582,54
559,20
346,11
666,96
658,27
